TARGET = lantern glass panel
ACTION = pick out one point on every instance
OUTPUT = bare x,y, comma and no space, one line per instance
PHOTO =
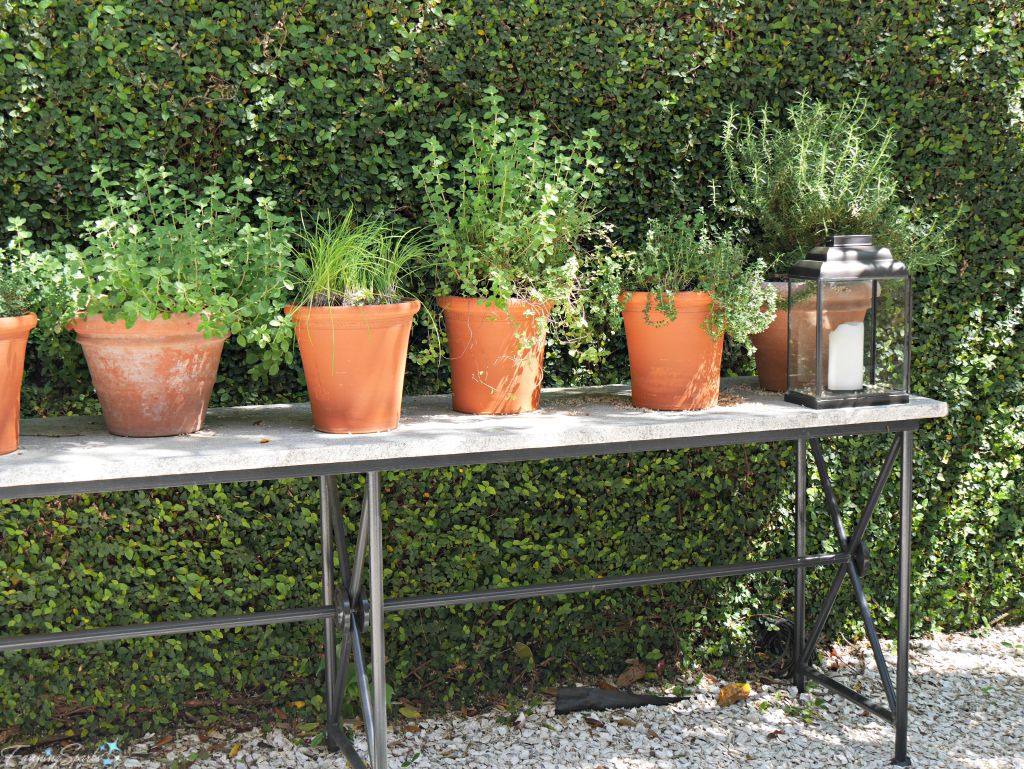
888,372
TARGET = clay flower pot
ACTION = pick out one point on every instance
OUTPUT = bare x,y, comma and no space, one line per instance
354,360
13,337
843,303
491,372
674,365
153,379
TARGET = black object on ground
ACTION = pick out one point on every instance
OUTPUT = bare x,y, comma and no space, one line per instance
573,698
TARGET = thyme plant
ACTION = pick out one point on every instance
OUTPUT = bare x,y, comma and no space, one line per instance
162,249
511,215
686,254
831,172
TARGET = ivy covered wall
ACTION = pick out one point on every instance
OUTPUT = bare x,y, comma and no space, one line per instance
328,104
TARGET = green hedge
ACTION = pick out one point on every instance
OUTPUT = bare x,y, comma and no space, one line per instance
328,104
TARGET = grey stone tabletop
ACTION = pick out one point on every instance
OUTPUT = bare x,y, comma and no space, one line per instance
74,450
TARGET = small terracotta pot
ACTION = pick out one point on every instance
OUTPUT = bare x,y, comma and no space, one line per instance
491,373
354,360
674,365
842,304
153,379
13,337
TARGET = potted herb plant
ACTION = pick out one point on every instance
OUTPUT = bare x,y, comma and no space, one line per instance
830,172
353,322
509,217
679,294
28,279
166,277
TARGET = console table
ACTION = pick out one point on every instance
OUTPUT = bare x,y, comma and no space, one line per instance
76,455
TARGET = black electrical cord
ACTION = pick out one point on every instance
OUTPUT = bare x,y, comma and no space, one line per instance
776,641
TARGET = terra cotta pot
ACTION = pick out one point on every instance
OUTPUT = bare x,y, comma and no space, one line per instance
843,303
497,356
354,361
674,364
13,337
153,379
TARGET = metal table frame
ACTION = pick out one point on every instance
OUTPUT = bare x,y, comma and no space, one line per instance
349,610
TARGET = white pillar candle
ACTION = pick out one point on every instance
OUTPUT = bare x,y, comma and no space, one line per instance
846,357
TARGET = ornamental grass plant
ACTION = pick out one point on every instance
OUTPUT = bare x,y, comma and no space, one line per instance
831,171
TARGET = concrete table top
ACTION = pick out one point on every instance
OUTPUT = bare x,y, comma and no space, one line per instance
67,455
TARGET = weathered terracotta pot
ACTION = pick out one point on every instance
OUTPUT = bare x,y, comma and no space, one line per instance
842,304
153,379
491,372
675,366
13,337
354,360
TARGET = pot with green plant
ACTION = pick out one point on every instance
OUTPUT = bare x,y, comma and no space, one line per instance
352,320
510,217
28,279
831,172
680,293
166,277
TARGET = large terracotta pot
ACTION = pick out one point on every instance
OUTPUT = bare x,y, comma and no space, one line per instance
354,360
153,379
674,365
492,373
843,303
13,337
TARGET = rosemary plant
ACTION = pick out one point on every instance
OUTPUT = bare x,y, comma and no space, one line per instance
830,173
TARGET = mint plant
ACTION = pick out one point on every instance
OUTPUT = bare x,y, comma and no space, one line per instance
162,249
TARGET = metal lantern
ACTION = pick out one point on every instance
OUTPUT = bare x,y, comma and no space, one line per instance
849,326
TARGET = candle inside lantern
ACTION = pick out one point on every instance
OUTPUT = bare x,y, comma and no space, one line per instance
846,357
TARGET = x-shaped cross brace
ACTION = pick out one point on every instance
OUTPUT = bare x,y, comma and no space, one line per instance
855,569
351,619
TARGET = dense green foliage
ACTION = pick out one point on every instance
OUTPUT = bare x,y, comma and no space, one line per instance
684,254
330,105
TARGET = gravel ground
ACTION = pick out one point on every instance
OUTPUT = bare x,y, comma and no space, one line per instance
967,710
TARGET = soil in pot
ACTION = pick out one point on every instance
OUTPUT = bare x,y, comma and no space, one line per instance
354,361
674,364
13,337
842,304
492,372
153,379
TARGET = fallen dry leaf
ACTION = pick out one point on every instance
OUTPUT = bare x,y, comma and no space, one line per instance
265,440
593,722
625,722
412,728
552,692
651,733
465,712
297,704
409,712
280,714
234,750
631,675
203,737
732,693
774,735
167,739
608,686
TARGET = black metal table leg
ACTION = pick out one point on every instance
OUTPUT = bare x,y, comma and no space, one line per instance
903,600
801,574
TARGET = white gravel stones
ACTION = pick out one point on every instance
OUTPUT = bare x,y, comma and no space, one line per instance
966,703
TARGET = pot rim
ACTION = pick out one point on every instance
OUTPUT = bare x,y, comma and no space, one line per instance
179,323
292,310
684,300
472,304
